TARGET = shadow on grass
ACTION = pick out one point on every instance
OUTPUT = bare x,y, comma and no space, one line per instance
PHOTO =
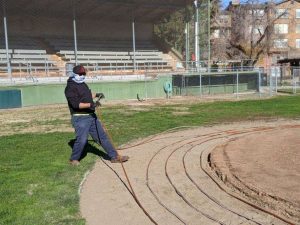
89,148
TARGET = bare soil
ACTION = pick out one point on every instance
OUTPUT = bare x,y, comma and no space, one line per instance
264,167
161,170
49,118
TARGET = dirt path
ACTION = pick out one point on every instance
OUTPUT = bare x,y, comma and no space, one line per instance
170,175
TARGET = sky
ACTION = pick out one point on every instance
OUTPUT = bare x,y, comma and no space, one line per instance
226,2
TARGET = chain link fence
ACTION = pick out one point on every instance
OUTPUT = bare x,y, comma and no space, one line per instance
283,79
238,81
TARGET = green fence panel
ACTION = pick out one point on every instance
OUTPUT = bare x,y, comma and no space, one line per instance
10,99
114,90
43,94
214,83
122,90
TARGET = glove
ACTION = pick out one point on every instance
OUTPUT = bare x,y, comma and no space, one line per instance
94,105
100,95
97,104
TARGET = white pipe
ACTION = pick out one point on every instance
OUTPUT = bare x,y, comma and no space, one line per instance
75,40
6,46
133,43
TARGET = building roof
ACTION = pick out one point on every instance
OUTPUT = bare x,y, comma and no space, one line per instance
284,1
247,5
109,10
289,60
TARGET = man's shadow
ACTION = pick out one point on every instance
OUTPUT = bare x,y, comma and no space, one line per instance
89,148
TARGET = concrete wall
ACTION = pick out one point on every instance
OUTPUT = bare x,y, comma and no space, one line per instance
54,94
43,27
33,95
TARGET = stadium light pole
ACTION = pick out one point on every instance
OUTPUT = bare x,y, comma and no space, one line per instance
75,33
133,44
187,39
208,24
6,42
197,54
186,44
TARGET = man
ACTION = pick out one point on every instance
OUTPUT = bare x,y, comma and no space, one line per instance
84,119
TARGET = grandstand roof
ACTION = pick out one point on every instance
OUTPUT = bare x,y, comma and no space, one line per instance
108,10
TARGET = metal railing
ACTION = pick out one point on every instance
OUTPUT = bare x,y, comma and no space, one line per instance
264,81
238,81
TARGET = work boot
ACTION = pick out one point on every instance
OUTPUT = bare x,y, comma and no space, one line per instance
74,162
120,159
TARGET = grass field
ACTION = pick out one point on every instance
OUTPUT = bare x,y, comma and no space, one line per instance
37,186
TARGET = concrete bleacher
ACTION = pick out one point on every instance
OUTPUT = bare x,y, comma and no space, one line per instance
48,56
27,57
111,55
29,61
114,60
25,51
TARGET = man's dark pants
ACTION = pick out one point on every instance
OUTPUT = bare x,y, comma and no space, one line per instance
89,124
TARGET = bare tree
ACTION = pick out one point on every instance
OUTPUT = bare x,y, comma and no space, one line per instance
220,28
252,27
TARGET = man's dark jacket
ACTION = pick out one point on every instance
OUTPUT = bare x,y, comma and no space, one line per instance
78,93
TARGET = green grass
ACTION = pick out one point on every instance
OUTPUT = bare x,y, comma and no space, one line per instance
37,186
125,126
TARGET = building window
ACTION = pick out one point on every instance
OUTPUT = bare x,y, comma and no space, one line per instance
258,30
281,28
297,43
298,28
298,13
282,13
216,33
281,43
257,12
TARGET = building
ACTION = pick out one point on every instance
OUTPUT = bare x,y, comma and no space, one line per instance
221,31
249,40
267,33
286,33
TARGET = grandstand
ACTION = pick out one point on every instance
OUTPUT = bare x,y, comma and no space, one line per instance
112,37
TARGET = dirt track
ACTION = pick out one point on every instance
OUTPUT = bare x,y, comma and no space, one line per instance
170,175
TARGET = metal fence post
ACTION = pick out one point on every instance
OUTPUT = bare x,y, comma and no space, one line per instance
296,74
209,84
294,82
181,86
145,88
200,85
237,84
270,85
276,74
259,82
